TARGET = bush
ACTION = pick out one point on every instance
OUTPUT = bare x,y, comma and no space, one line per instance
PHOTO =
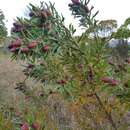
82,69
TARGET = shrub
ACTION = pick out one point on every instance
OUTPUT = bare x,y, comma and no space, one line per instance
77,70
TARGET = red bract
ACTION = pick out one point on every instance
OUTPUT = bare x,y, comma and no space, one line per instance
17,24
30,66
114,83
33,44
35,126
61,82
15,44
18,41
109,81
31,14
24,49
87,9
45,48
24,126
90,74
14,49
10,46
75,1
17,27
70,4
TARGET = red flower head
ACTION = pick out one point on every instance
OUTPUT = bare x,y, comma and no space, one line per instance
24,126
15,44
61,82
31,14
30,66
33,44
10,46
75,1
109,81
87,9
35,126
45,48
14,49
24,49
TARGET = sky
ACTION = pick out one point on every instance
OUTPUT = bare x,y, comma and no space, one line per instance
108,9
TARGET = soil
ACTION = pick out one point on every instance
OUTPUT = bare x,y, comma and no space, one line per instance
10,74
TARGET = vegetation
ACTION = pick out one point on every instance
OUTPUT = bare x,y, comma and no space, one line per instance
85,82
3,30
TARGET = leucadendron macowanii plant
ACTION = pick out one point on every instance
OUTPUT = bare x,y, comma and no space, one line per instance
81,68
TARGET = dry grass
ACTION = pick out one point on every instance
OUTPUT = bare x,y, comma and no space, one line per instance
64,115
10,74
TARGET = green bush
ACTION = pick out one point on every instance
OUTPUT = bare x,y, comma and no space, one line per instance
82,69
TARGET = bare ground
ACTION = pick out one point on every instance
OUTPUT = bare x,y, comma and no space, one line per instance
10,74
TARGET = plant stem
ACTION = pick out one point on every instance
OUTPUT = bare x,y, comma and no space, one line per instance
107,113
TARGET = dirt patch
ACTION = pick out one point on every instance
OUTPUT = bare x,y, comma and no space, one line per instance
10,74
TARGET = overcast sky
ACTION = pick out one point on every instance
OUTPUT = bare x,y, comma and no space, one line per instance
108,9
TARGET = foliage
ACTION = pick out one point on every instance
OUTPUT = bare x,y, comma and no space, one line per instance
28,116
3,30
107,27
81,69
5,124
123,31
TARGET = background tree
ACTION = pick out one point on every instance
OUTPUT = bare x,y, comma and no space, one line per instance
3,29
123,32
107,27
